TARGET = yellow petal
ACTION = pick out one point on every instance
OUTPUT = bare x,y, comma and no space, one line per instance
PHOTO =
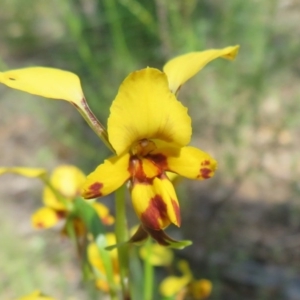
200,289
108,177
36,295
45,82
94,257
160,256
145,109
45,217
172,285
68,180
189,162
156,204
103,213
27,172
181,68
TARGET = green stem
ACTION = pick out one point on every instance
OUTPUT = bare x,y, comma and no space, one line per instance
148,273
122,237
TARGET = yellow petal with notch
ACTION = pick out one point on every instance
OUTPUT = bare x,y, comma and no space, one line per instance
44,217
144,108
27,172
181,68
45,82
108,177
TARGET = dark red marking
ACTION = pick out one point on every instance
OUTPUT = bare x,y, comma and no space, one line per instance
61,214
159,160
94,190
205,163
205,173
156,210
40,225
177,212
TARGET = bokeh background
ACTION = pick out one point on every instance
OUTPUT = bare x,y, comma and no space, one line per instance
245,221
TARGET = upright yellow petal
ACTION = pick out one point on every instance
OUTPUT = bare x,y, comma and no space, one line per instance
45,82
189,162
68,180
181,68
144,108
108,177
27,172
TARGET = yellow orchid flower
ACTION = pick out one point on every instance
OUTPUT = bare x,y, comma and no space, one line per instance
185,284
96,261
36,295
148,129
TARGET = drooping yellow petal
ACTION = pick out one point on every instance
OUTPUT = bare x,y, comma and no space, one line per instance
108,177
27,172
189,162
181,68
200,289
45,82
68,180
103,213
36,295
160,255
45,217
144,108
156,203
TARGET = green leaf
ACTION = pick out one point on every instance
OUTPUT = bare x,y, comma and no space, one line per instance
89,216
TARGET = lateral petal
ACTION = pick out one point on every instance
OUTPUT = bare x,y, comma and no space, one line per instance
144,108
45,217
45,82
108,177
181,68
189,162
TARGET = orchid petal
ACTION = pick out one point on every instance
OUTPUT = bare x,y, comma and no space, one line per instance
145,109
108,177
45,82
181,68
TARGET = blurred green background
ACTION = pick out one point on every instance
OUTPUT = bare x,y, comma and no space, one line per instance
245,221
